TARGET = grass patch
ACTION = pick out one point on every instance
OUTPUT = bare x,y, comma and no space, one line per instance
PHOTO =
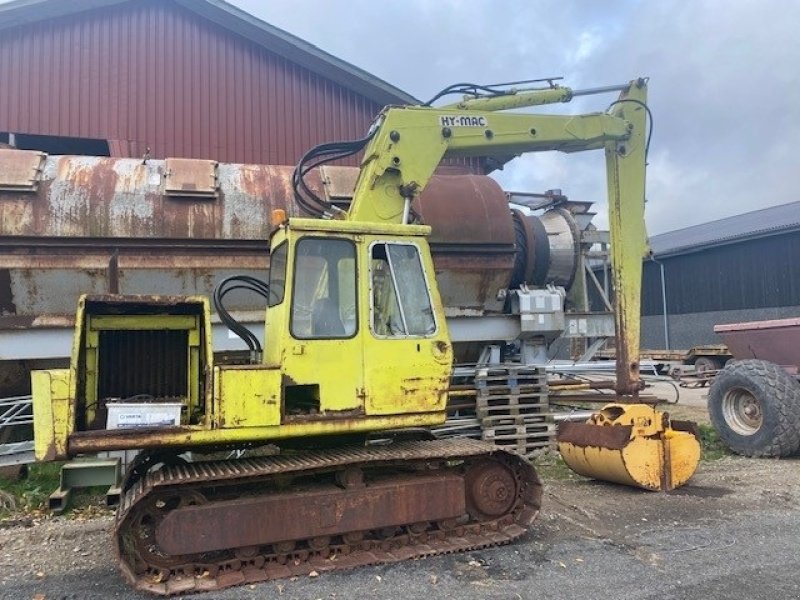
551,466
31,493
712,446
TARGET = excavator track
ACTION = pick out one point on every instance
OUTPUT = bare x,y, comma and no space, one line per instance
209,525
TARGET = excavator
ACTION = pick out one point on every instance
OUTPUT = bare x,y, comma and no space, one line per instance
320,455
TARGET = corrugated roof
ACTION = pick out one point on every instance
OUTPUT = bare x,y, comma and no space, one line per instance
759,223
20,12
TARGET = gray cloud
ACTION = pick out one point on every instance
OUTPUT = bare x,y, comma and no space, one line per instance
724,81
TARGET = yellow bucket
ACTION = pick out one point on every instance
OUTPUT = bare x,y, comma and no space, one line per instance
631,444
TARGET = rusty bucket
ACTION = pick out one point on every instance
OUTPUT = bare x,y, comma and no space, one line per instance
631,444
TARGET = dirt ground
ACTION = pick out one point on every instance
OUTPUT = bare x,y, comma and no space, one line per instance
732,532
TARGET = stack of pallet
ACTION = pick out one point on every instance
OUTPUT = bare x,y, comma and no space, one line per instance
512,408
461,419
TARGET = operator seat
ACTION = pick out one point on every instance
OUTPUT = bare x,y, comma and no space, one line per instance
325,319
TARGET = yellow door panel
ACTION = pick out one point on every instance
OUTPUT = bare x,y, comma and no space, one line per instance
322,348
52,421
407,355
247,396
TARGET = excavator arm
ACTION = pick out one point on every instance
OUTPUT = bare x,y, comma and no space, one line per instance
628,443
408,143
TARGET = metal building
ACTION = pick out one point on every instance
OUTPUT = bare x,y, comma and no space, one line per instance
741,268
182,78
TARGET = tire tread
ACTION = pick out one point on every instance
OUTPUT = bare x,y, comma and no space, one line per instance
778,389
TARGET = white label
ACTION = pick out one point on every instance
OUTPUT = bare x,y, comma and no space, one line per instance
463,121
130,418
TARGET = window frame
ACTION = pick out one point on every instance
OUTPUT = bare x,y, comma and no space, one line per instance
282,245
294,284
405,336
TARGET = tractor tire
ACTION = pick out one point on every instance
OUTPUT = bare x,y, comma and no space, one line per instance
755,407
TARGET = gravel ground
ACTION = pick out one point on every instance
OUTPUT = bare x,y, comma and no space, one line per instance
731,533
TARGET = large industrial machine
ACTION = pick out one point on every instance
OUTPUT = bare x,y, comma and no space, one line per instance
356,365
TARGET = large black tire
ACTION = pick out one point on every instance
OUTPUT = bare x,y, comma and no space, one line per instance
755,407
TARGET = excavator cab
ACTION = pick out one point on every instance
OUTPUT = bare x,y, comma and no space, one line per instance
354,323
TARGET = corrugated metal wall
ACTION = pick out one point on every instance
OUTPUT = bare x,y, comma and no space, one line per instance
748,280
153,74
758,273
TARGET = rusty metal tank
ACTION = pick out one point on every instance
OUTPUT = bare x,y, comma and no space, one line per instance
73,224
81,224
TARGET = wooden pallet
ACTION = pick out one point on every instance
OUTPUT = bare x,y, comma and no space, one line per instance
484,411
530,419
528,440
513,409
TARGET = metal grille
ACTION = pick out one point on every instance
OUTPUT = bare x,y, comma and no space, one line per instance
16,430
150,363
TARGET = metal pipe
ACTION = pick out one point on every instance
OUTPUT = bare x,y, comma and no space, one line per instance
663,301
578,415
601,90
601,366
406,210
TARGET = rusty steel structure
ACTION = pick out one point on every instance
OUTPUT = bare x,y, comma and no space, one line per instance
81,224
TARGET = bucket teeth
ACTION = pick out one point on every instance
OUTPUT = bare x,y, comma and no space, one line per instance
631,444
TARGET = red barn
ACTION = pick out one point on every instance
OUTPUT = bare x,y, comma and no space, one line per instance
184,78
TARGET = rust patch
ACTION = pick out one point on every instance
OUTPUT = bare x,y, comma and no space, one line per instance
688,426
324,416
321,511
421,492
8,322
613,437
478,202
102,440
113,273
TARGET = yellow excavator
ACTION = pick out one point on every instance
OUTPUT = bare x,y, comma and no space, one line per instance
356,366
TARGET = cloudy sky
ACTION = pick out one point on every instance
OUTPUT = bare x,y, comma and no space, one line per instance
724,82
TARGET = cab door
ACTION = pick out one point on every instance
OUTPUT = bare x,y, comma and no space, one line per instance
407,354
322,361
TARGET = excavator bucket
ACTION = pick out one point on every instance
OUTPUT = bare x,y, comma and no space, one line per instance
631,444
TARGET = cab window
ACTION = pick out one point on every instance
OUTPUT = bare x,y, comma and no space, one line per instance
324,298
401,303
277,275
